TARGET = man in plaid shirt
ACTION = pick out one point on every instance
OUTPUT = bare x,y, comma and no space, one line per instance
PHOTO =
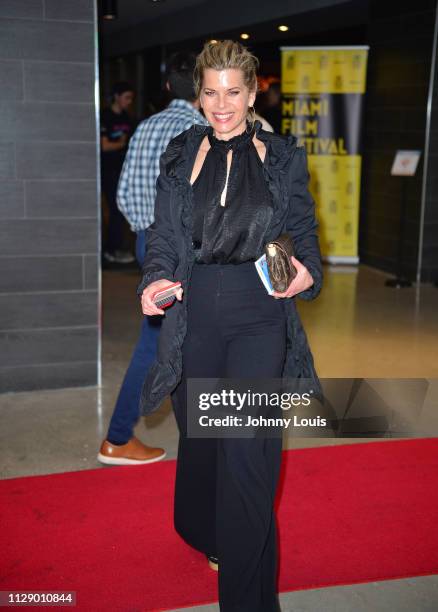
136,199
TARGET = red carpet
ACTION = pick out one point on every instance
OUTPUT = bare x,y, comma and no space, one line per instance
354,513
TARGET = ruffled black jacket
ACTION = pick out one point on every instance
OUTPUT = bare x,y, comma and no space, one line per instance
170,251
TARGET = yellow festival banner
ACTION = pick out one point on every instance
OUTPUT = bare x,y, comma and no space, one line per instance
322,99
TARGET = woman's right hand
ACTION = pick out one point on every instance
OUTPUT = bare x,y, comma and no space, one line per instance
147,304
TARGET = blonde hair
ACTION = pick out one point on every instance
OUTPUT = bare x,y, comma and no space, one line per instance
225,54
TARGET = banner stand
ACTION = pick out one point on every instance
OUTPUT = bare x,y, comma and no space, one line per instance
322,101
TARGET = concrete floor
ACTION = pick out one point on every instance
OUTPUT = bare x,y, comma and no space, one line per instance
357,328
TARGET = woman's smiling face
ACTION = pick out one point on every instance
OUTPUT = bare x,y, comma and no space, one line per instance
225,100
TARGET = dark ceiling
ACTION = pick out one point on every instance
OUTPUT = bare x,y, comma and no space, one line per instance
135,12
142,24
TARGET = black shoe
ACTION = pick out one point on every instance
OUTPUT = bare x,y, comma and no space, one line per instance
119,257
213,563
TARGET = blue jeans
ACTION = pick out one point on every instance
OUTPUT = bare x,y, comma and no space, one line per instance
126,412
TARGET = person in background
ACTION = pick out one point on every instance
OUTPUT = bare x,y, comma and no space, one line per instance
265,124
136,200
116,127
271,109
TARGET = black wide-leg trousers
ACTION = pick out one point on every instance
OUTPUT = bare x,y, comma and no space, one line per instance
225,487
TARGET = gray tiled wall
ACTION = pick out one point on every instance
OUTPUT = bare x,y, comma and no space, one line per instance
48,195
398,80
429,270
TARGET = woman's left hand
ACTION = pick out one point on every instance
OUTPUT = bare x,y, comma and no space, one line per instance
302,281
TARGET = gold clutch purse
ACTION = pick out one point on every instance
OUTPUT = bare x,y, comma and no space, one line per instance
280,267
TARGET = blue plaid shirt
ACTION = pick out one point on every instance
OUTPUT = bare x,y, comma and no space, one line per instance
136,190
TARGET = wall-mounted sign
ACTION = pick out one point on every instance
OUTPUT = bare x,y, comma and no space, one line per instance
405,163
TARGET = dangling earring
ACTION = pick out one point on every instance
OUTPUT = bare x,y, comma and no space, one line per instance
252,118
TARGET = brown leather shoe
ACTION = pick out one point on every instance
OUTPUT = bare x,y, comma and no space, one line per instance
133,452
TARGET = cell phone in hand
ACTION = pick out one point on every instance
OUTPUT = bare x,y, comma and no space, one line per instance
165,297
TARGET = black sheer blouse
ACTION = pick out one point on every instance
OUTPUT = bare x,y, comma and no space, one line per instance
233,233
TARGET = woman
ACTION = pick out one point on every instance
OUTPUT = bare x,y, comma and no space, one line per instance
223,192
